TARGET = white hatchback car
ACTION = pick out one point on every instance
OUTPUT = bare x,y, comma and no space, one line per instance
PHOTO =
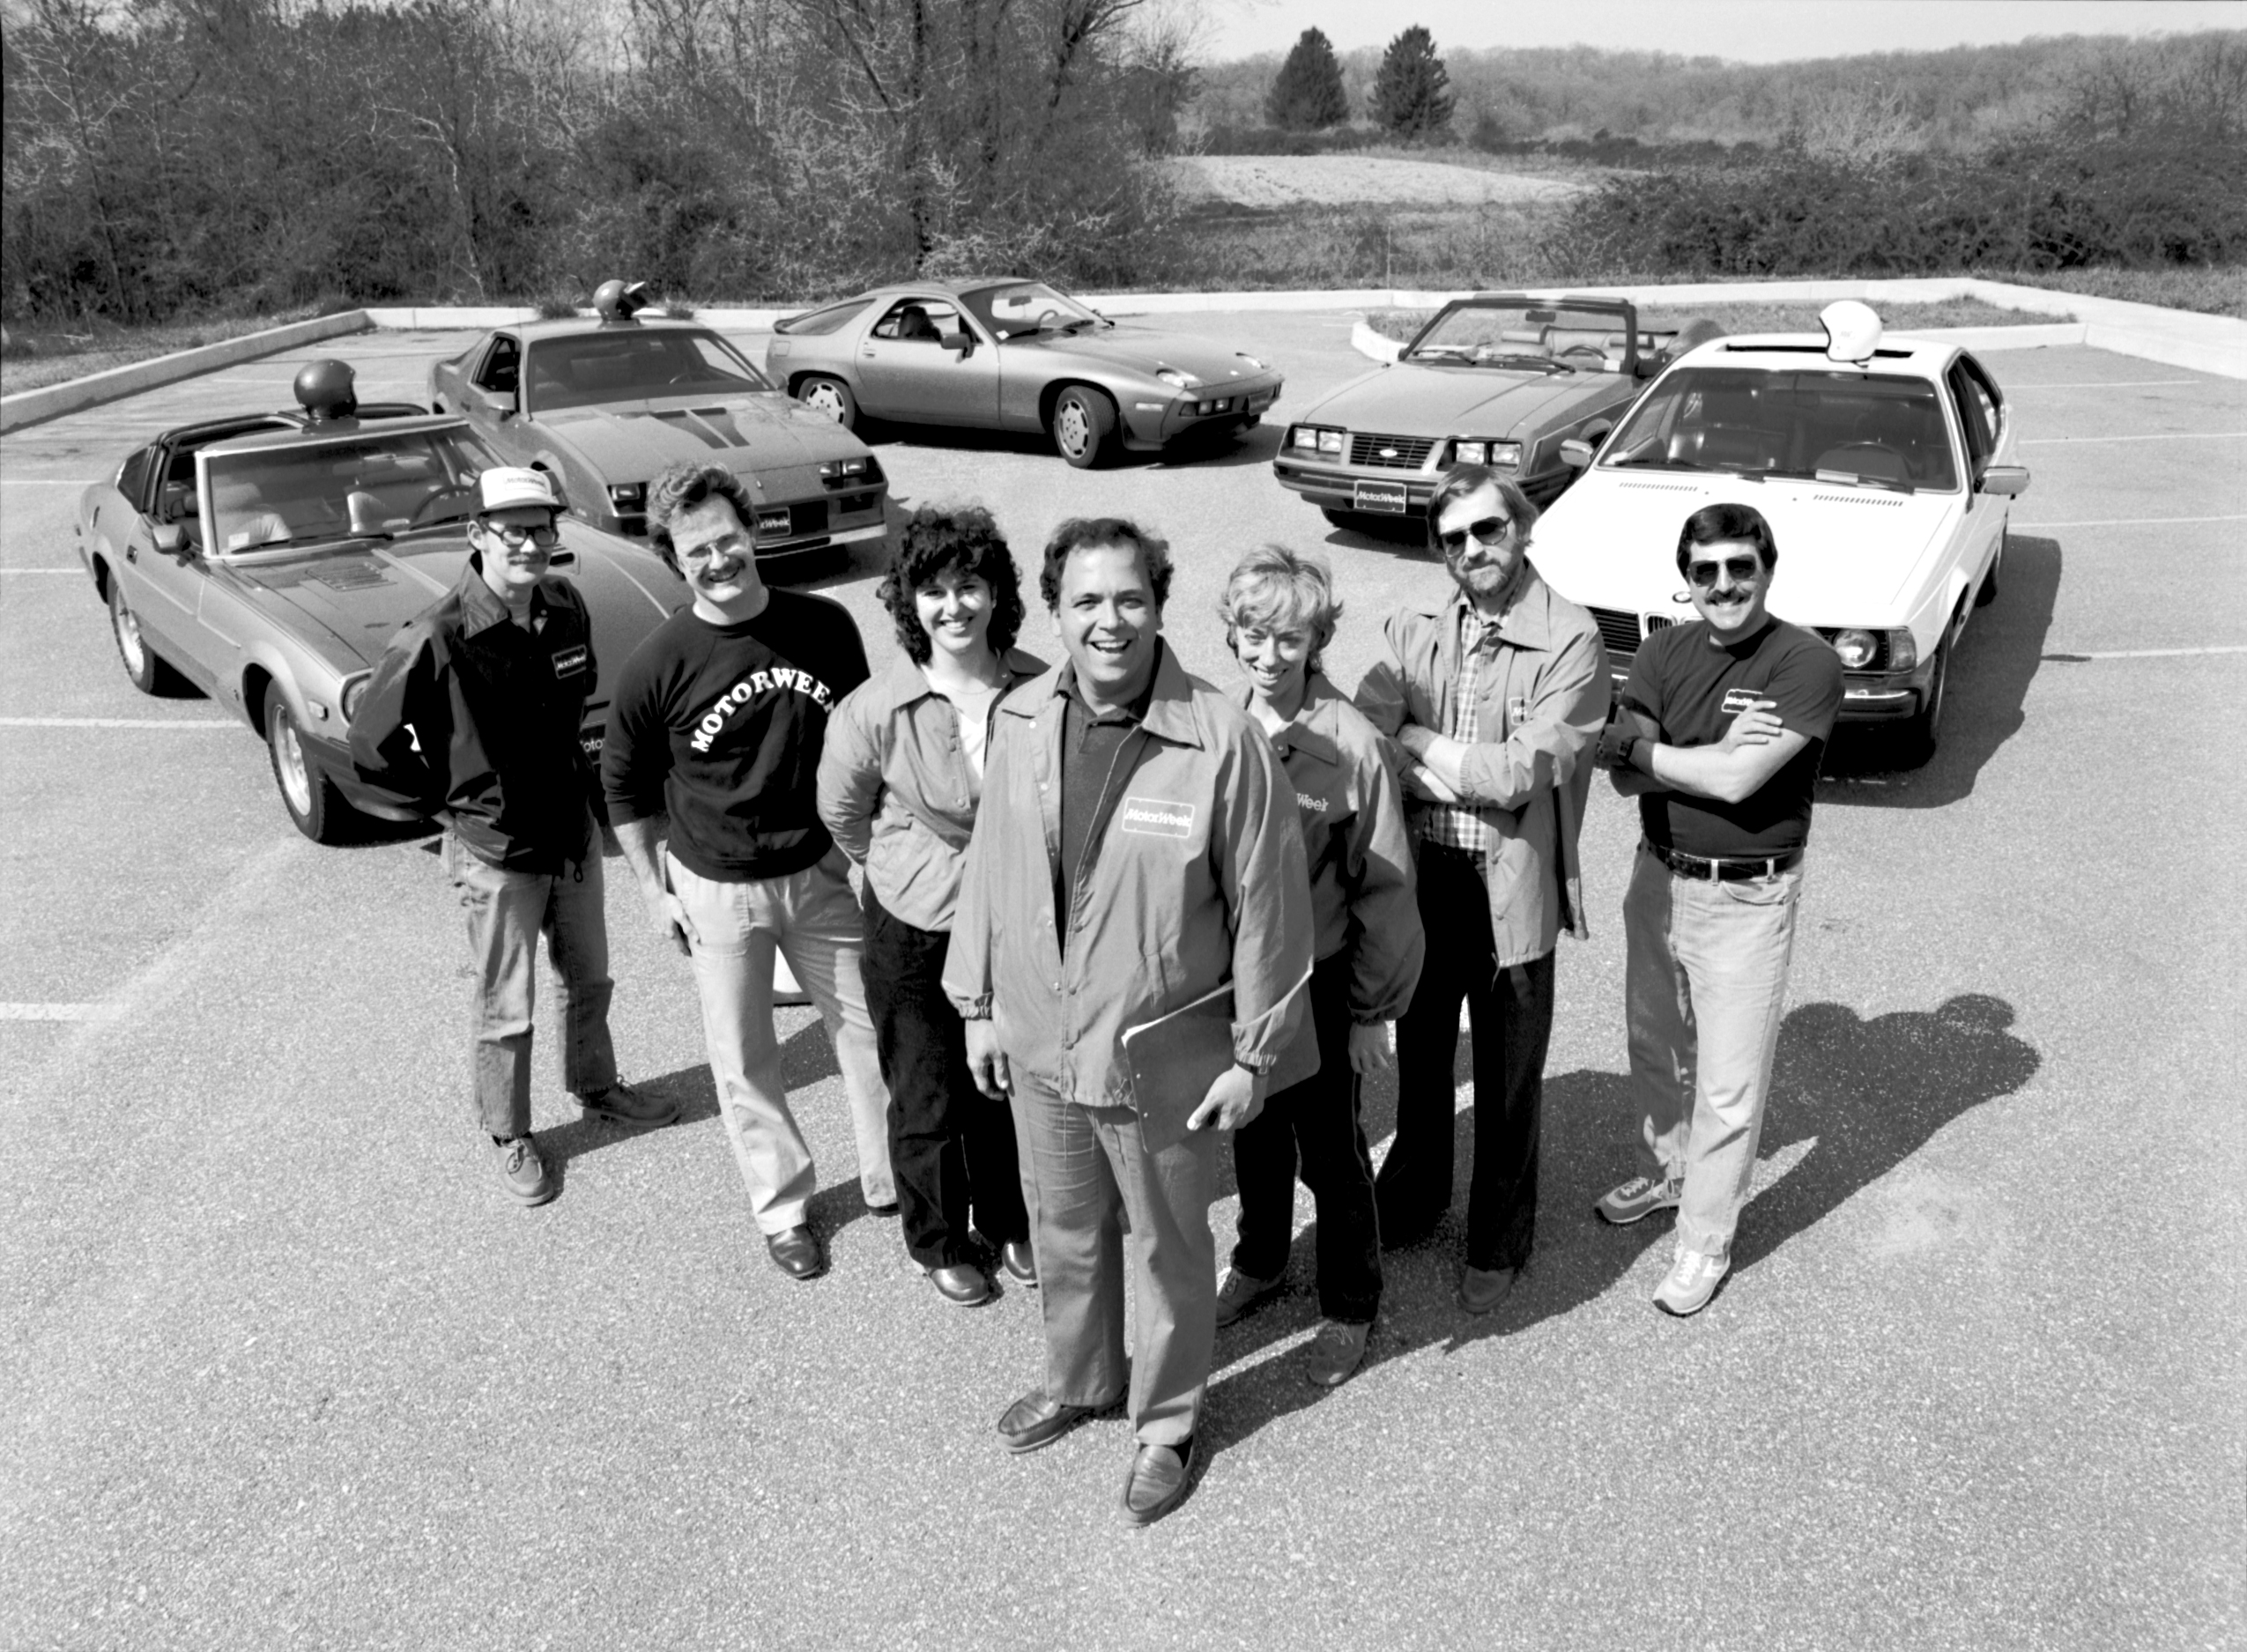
1884,467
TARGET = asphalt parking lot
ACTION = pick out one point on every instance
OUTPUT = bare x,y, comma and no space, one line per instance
284,1368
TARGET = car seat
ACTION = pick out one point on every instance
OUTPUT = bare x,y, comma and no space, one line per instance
913,322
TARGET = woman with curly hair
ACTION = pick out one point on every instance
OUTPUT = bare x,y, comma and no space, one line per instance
900,780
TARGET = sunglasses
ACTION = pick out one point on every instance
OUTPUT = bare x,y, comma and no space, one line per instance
1742,569
545,538
1490,531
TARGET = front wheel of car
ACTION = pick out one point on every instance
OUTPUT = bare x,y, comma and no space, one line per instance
314,805
1921,734
831,397
1988,594
1083,419
145,669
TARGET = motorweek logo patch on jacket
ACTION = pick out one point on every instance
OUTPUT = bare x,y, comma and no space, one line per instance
1156,816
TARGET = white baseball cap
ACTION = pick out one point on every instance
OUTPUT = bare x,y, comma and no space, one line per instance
509,487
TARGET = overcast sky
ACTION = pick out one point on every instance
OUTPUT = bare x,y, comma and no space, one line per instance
1754,31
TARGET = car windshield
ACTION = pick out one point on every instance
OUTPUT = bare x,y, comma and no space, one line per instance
1840,425
633,365
1027,307
1541,337
364,485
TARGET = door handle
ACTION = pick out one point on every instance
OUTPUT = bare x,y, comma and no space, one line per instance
867,354
132,551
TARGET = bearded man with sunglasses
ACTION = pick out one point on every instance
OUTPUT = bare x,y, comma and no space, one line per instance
1495,697
471,717
1722,726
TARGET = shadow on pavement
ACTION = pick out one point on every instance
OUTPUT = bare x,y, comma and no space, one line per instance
806,1057
1990,674
1857,1097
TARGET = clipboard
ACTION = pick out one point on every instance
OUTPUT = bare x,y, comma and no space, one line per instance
1175,1058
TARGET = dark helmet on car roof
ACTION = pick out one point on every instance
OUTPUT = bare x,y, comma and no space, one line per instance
324,390
616,301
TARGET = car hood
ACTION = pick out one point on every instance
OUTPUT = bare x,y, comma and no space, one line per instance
630,441
1848,556
1143,350
348,600
1419,401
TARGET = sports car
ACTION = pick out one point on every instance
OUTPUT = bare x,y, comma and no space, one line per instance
1499,378
1884,466
602,405
1010,354
267,560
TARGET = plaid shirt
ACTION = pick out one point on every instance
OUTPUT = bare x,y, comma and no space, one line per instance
1452,824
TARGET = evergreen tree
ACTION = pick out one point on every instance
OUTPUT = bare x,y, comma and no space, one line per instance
1307,93
1410,94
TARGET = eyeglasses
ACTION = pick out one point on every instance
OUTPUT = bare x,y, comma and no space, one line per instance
731,545
1490,531
1741,568
545,538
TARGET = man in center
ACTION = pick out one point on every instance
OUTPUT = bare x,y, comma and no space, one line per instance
1137,850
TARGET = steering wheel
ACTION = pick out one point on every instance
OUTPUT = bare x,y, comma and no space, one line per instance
457,490
1048,315
1593,351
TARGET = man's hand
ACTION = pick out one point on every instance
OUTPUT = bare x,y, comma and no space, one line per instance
670,915
1422,782
1758,725
1416,739
1235,1099
987,1062
1369,1050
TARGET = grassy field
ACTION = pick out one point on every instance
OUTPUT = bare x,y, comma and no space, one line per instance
2213,289
36,357
1771,318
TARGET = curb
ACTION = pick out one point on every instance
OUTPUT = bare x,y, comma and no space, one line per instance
32,407
2031,336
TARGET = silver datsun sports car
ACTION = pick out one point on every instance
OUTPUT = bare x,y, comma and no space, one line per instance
267,560
602,405
1499,378
1010,354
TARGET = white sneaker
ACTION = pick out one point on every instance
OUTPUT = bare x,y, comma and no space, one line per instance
1692,1280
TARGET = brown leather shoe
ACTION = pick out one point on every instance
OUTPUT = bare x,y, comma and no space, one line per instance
796,1253
1482,1289
1337,1350
963,1284
1020,1265
1156,1482
1034,1420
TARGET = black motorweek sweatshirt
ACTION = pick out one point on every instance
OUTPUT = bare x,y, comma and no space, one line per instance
723,726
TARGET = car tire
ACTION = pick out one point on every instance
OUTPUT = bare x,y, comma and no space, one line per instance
1083,420
316,807
1988,594
1924,732
831,397
146,669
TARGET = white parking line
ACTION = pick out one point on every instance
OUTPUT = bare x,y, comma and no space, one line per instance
56,1012
42,481
2108,384
2149,654
2126,522
41,570
2168,435
113,722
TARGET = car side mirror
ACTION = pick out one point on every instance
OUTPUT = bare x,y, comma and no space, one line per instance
503,403
2007,481
961,344
1575,453
170,538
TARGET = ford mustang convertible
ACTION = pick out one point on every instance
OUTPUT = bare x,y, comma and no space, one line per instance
1884,466
1499,378
602,405
267,560
1016,355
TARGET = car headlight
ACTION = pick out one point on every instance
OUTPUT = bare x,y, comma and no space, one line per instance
1857,648
354,690
1903,651
1469,452
1329,441
1505,453
628,495
1253,361
1304,437
1175,379
844,467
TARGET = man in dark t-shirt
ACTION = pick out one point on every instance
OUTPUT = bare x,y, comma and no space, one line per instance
718,723
1719,735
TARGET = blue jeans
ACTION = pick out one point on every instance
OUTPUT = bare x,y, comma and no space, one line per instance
507,914
1704,988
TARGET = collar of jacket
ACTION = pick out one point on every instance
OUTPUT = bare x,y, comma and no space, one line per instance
1170,707
1312,729
481,607
1528,624
906,682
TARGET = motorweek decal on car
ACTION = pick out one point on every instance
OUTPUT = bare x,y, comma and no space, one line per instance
1157,817
741,694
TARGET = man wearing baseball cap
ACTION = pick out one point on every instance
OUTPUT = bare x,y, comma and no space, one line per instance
471,718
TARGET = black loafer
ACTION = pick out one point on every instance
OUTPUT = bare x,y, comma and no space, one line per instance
796,1253
1020,1265
1482,1289
1156,1482
963,1283
1034,1420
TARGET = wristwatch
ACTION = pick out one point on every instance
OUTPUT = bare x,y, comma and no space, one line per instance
1626,749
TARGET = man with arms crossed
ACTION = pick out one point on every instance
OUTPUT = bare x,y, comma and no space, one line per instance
718,721
1496,696
1137,849
1722,727
471,717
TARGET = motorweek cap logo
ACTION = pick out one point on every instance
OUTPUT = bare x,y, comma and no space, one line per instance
1157,817
748,688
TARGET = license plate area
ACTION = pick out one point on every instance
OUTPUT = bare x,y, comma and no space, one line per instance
1383,496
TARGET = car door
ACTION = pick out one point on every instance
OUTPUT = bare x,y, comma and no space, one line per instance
906,372
1981,420
165,588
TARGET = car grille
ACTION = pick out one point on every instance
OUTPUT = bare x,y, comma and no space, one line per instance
1390,453
1618,630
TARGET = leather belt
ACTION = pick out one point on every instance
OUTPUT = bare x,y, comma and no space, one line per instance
1724,869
